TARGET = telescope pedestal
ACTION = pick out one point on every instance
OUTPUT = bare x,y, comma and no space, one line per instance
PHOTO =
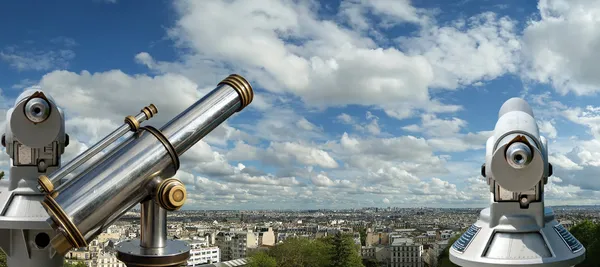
173,254
24,234
153,248
516,240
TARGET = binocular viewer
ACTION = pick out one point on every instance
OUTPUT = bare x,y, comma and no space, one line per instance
516,230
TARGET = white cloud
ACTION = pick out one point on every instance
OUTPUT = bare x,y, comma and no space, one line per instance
559,46
284,154
562,161
483,47
588,116
390,12
330,66
113,94
290,52
547,127
306,125
345,118
37,60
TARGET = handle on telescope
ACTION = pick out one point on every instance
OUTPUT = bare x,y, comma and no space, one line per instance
131,123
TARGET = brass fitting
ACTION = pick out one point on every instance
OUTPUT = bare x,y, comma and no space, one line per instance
150,111
69,235
45,184
171,194
242,87
60,244
133,123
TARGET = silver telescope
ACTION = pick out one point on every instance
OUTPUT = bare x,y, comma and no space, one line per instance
517,229
131,123
139,171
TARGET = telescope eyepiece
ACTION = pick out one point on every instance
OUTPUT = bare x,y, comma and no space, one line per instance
37,110
518,155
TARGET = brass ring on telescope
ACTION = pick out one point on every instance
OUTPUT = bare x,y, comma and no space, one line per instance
153,109
171,194
242,87
134,124
45,183
150,111
168,146
59,216
146,113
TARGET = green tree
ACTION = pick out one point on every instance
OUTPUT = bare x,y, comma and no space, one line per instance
444,259
344,251
300,252
2,259
588,233
363,236
334,251
262,259
370,263
74,264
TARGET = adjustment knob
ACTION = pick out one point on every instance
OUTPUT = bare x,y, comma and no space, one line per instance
171,194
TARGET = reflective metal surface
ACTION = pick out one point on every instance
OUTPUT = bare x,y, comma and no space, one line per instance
115,184
34,148
153,225
37,109
92,200
201,118
56,176
518,155
173,254
517,229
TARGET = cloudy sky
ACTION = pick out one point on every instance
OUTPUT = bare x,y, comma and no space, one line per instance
357,103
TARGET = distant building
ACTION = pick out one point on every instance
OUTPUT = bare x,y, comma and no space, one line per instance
379,238
107,260
405,253
367,252
266,237
234,245
201,254
445,234
566,223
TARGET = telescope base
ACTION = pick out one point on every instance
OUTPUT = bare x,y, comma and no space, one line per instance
24,234
173,254
517,241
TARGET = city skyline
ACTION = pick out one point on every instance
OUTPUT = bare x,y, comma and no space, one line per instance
357,103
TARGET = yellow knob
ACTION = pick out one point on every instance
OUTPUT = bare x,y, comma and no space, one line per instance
171,194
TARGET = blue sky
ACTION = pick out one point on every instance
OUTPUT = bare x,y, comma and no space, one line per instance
358,103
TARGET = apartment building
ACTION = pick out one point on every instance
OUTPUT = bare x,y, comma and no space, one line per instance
405,253
201,254
234,245
266,237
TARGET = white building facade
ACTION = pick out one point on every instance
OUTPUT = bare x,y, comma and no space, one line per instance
200,254
405,253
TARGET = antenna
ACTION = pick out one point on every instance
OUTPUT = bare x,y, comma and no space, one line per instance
516,230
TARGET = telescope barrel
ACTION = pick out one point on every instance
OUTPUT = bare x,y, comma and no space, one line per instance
124,178
46,184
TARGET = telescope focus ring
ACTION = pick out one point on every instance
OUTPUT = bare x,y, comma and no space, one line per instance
242,87
171,194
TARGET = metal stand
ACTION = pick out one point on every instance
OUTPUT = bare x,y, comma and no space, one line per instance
24,234
517,241
153,248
